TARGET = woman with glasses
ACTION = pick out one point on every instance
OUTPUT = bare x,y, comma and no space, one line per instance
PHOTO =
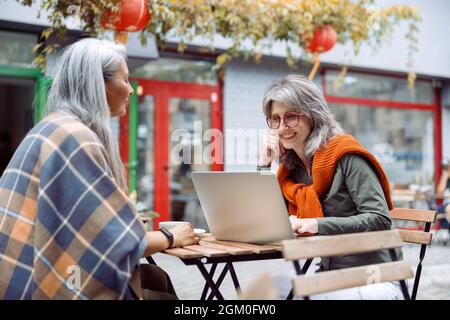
331,183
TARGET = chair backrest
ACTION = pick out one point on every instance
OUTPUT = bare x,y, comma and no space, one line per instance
415,215
327,246
422,237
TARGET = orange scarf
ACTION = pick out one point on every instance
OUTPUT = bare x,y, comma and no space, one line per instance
303,199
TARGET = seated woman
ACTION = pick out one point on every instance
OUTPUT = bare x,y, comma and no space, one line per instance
331,183
67,227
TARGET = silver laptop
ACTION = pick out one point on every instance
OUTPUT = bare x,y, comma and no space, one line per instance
243,206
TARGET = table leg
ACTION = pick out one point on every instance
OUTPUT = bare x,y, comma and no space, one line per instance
299,272
206,287
306,266
214,288
219,280
234,277
150,260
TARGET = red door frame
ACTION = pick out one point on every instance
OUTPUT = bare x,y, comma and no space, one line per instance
434,107
162,91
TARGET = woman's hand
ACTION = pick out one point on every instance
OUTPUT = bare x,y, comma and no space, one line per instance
269,150
304,225
183,235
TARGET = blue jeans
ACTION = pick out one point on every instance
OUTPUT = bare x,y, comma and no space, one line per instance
444,222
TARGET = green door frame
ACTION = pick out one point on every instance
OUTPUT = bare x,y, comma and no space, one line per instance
128,139
40,88
132,182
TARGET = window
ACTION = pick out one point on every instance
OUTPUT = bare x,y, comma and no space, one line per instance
378,88
168,69
17,48
402,140
396,124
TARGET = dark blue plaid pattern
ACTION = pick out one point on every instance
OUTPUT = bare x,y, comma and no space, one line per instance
60,210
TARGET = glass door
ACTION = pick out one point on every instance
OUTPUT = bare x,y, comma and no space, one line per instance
188,119
145,162
172,140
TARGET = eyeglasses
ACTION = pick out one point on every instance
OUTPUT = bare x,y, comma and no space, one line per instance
291,120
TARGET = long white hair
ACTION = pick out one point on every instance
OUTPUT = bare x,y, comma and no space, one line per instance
79,87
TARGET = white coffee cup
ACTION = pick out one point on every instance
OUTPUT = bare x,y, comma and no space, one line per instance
170,224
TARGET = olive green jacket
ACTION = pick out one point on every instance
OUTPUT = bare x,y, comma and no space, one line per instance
354,203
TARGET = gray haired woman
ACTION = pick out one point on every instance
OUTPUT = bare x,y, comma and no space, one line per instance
331,183
67,227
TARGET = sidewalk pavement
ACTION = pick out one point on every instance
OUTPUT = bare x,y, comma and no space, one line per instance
188,282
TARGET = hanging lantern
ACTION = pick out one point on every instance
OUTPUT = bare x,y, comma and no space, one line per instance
133,16
323,40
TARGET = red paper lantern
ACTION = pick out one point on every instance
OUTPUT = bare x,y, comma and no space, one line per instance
323,40
133,16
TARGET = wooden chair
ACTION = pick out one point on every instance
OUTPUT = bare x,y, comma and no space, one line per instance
336,245
422,237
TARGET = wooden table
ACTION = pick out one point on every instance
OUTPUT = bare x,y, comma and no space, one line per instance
212,251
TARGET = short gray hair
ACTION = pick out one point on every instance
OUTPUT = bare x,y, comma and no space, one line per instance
302,95
79,87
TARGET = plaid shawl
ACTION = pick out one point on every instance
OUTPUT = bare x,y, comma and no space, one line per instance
66,230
